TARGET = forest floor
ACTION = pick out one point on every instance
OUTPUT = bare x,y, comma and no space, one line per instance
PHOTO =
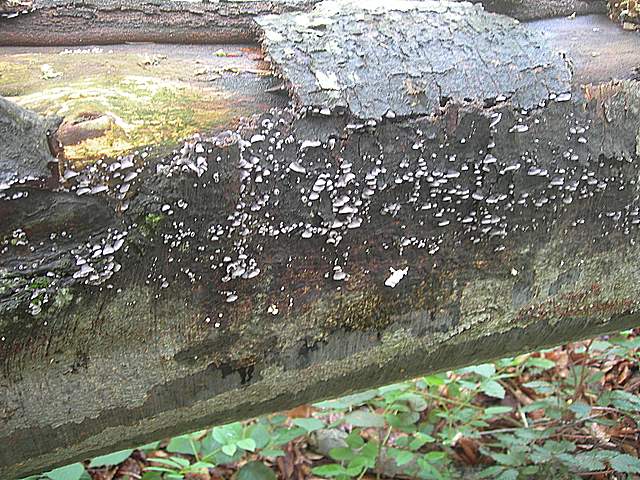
568,412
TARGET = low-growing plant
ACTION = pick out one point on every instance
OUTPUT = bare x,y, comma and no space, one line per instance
570,412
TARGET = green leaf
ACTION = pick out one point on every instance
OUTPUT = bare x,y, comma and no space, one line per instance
349,401
493,389
420,439
402,457
354,440
370,450
363,418
260,435
584,462
229,449
183,462
417,403
485,370
184,444
580,409
169,462
540,455
115,458
434,380
341,454
622,400
511,458
149,447
331,470
309,424
200,466
433,457
357,465
272,452
228,433
510,474
285,436
69,472
402,420
248,444
491,411
255,471
539,387
542,363
151,476
491,472
625,463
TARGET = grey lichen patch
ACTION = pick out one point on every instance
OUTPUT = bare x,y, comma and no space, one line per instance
406,58
485,300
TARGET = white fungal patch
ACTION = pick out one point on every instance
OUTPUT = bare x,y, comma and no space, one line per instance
296,167
396,276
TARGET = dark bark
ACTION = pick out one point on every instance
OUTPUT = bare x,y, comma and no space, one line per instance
311,253
102,22
90,22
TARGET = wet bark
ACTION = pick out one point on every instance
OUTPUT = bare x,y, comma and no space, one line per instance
351,239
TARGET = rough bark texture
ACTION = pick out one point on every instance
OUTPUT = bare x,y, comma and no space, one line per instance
67,22
24,152
363,63
315,252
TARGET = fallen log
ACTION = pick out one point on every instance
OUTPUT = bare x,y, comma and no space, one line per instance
442,190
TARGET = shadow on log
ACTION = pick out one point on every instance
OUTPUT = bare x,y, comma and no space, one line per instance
466,208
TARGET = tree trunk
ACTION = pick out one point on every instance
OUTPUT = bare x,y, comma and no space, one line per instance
451,193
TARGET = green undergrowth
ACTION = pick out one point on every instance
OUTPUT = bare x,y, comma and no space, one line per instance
565,413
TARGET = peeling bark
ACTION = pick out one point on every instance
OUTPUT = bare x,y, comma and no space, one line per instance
310,253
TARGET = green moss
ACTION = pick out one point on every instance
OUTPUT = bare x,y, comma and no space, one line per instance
146,106
153,220
63,298
39,282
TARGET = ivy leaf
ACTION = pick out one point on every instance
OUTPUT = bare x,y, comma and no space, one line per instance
402,456
362,418
420,439
309,424
115,458
184,444
625,463
229,449
247,444
260,435
69,472
341,454
255,471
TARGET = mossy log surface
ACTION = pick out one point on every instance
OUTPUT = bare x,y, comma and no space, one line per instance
312,239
